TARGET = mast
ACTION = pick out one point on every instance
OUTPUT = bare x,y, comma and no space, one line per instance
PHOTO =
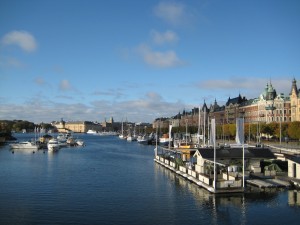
170,135
155,150
243,143
199,120
213,138
204,120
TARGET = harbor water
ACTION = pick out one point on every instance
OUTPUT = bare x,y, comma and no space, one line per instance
112,181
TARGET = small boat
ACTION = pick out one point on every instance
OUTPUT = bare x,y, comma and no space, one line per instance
24,145
71,141
53,145
62,137
143,139
91,132
79,142
131,138
108,133
165,140
121,136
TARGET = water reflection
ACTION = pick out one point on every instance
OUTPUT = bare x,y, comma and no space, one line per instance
294,198
24,151
233,208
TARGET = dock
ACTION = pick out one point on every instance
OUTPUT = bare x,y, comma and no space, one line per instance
257,180
268,183
200,183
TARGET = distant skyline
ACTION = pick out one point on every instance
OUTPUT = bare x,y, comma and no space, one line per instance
140,60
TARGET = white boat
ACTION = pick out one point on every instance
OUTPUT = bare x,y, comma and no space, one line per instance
108,133
165,141
62,137
24,145
53,145
143,139
131,138
79,142
71,141
91,132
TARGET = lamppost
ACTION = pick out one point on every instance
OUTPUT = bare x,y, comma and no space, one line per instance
280,118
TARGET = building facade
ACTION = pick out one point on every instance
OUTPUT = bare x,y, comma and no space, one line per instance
76,126
267,108
295,102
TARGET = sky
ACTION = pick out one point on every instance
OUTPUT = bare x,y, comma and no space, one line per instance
140,60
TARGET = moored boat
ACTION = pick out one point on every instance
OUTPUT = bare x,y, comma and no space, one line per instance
108,133
79,142
143,139
91,132
53,145
24,145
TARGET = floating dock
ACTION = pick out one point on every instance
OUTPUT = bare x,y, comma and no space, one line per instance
268,183
200,183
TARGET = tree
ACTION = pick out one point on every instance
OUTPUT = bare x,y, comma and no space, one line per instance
219,131
284,127
294,130
226,130
232,130
267,129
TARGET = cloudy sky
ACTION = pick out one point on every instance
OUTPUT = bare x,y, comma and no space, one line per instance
139,60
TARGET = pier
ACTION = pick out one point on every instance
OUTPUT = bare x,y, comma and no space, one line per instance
268,183
193,177
227,178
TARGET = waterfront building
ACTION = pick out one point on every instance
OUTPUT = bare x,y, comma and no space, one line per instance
249,110
83,126
268,107
161,123
295,102
108,125
272,107
232,107
76,126
175,120
217,112
190,119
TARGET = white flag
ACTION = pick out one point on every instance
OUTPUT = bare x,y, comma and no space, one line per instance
213,132
170,130
239,138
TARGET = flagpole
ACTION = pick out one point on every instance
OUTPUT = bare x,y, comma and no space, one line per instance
156,142
243,155
199,119
204,116
213,130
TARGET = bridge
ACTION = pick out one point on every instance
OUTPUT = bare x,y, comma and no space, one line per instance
287,150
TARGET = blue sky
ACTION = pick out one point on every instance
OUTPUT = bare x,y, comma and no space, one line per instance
139,60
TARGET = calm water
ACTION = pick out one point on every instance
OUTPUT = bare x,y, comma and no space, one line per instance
110,181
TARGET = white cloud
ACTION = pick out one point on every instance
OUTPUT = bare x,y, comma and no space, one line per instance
249,86
171,12
8,62
65,85
144,109
23,39
115,93
40,81
162,38
159,59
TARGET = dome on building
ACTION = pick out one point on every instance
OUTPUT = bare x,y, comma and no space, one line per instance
269,92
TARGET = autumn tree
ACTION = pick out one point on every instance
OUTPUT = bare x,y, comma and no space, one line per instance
294,130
